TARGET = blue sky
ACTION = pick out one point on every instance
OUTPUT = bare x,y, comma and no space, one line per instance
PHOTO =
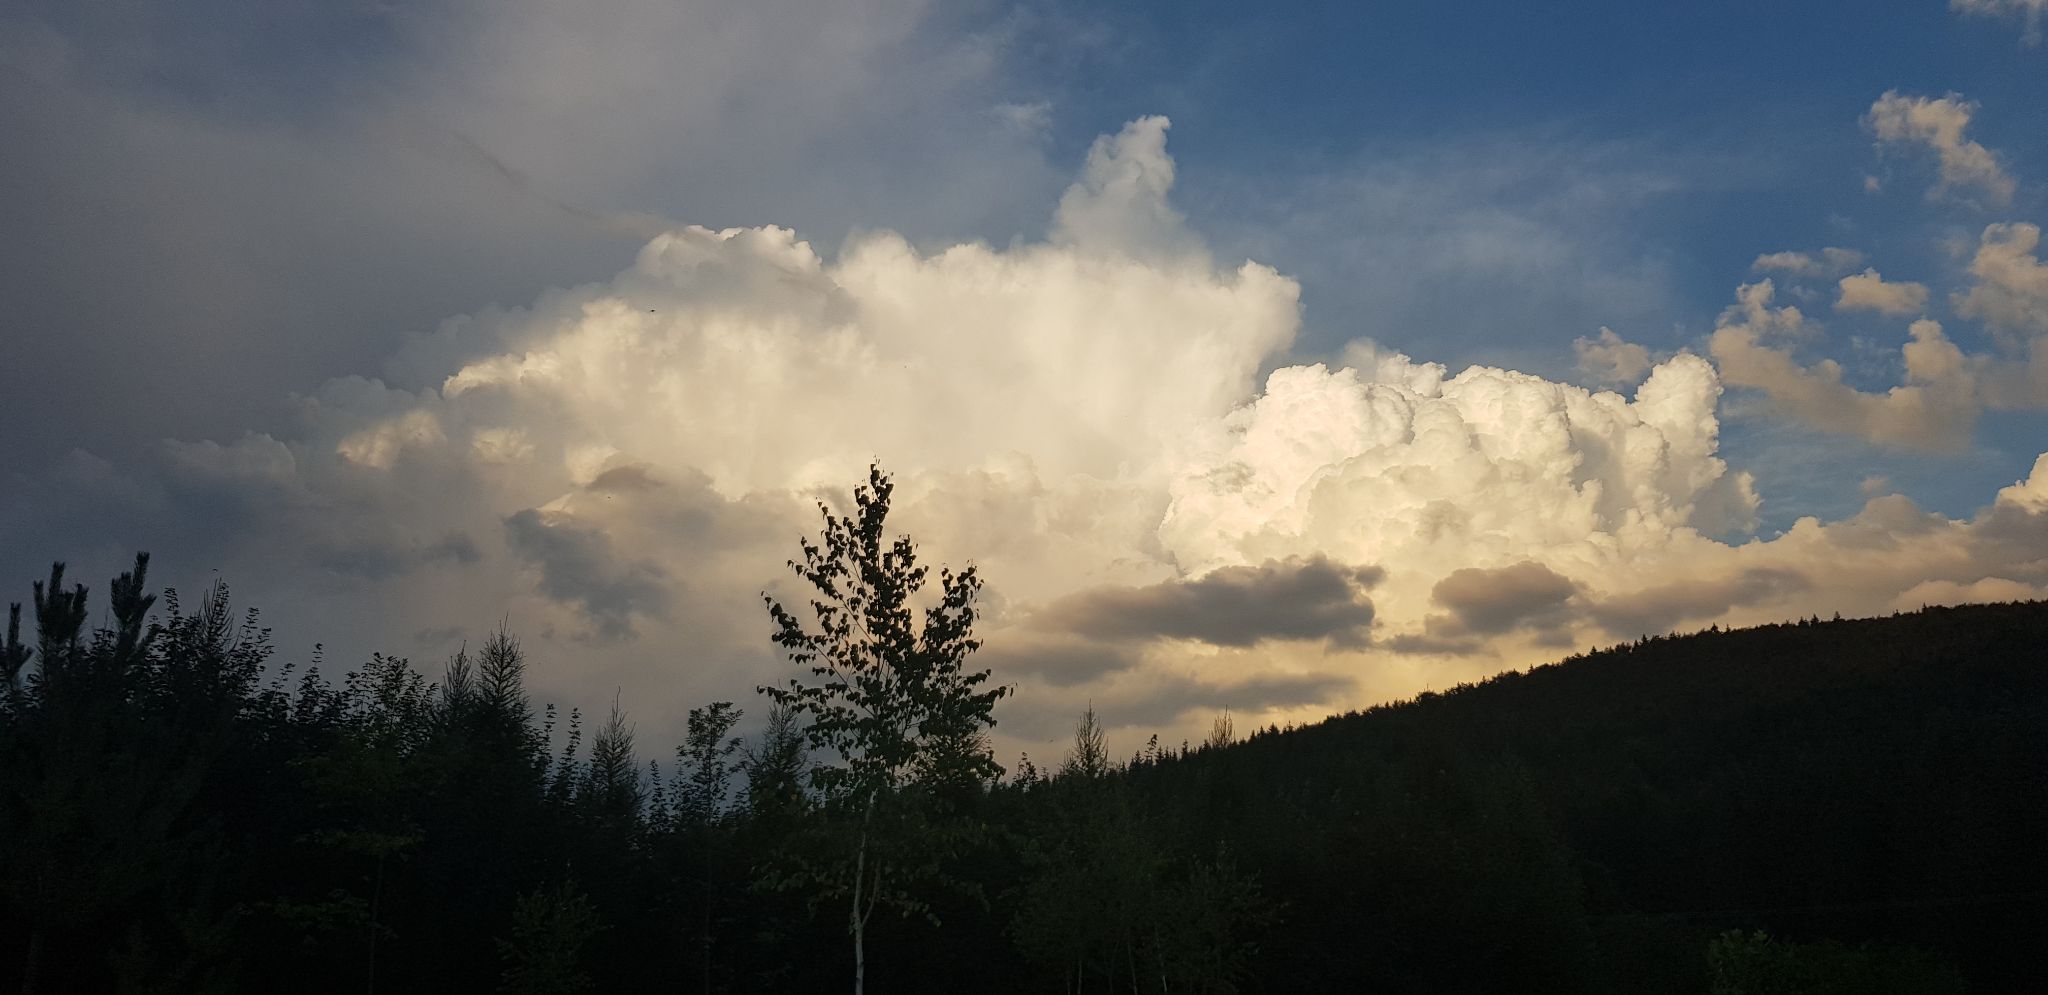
278,230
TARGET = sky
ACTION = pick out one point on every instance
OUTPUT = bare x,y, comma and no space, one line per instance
1284,359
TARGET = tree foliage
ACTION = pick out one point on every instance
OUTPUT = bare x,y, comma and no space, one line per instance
1815,807
891,704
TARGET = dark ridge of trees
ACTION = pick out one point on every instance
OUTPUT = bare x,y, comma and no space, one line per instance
1819,807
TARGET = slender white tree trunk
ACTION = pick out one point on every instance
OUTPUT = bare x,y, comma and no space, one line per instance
857,920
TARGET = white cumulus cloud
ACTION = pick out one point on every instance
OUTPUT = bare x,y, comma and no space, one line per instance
2011,284
624,466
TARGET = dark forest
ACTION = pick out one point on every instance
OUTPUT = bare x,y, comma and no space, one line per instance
1820,806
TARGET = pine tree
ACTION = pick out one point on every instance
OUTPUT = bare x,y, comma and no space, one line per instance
705,767
611,793
1089,759
776,769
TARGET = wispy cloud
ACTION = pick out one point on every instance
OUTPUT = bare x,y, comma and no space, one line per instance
1937,123
2028,12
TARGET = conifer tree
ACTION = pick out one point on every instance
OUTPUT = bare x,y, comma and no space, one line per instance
776,768
1089,759
611,794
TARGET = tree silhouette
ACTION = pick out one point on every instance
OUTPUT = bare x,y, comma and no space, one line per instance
180,812
893,701
777,768
551,927
1090,755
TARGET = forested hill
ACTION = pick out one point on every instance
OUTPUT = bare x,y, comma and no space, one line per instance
1825,807
1873,781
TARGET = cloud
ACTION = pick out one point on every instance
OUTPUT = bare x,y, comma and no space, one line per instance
1034,118
1059,659
1938,123
1934,410
1496,601
2027,12
1167,703
1944,391
1120,205
2011,285
1948,592
1667,606
1482,603
578,564
1830,261
1230,606
1403,465
1169,513
1610,359
647,449
1867,291
448,154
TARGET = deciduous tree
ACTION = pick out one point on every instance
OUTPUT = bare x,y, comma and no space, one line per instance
891,702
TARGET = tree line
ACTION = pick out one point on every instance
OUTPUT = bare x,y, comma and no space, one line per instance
1820,807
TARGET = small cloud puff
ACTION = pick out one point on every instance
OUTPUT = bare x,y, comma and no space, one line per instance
1830,261
1937,123
1610,359
2011,289
1033,119
1867,291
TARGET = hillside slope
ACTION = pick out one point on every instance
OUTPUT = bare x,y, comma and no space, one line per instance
1592,822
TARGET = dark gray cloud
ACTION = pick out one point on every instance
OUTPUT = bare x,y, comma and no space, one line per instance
1663,608
2020,536
1159,702
1166,700
628,477
205,208
377,559
1313,598
1527,597
1057,659
578,566
1527,594
1432,640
